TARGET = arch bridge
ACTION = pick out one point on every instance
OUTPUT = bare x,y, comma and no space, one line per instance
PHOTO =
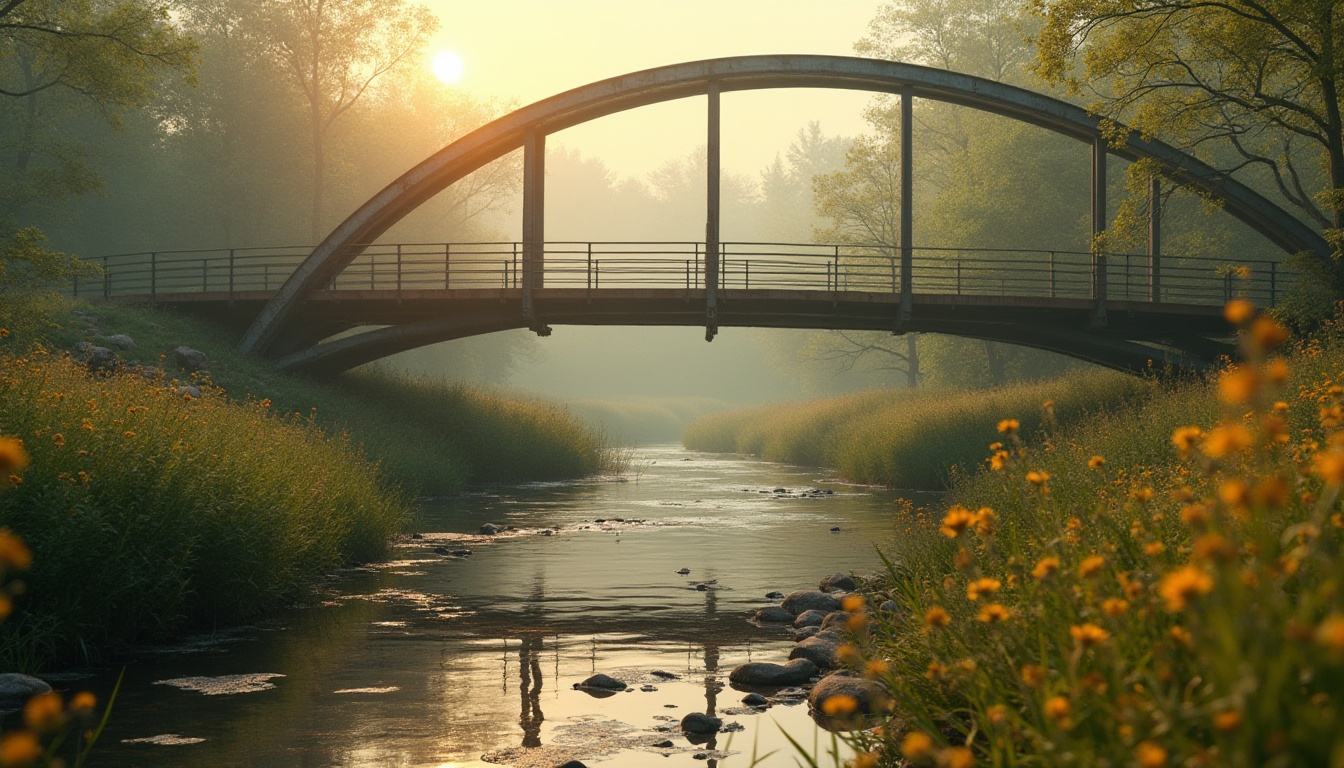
1125,311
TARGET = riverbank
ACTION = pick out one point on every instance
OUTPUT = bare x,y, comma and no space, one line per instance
1156,586
902,438
174,484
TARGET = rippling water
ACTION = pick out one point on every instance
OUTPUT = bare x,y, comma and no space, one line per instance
435,660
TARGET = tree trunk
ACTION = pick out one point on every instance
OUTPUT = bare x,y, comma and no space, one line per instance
997,375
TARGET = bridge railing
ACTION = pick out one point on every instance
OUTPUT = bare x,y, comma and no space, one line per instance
403,267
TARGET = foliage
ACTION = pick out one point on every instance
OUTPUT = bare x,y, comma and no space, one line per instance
901,438
1155,586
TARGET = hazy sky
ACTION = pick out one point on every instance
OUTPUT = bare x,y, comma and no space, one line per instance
526,50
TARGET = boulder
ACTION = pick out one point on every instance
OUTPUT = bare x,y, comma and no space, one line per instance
698,722
796,672
95,357
603,682
774,613
835,620
15,689
890,606
808,600
571,764
838,582
188,359
822,649
866,693
804,633
810,618
490,529
186,390
120,341
774,595
755,700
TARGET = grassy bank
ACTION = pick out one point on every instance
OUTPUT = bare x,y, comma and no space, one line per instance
1156,586
149,510
901,438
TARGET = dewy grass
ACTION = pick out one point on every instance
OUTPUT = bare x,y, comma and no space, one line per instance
901,438
1157,586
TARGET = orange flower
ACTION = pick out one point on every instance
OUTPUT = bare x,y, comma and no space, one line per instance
1091,566
1058,708
1008,426
1238,311
982,587
1184,438
1033,675
13,458
1267,333
1329,466
1045,568
1114,607
1038,478
1096,462
956,757
44,712
993,613
916,745
1239,385
83,702
14,554
840,704
1226,440
1182,585
1150,755
1195,515
957,520
1087,635
937,617
1330,633
1227,721
19,748
852,603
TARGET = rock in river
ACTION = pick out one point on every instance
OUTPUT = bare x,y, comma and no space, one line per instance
755,700
864,692
822,649
15,689
810,599
698,722
810,618
795,672
490,529
774,613
838,582
604,682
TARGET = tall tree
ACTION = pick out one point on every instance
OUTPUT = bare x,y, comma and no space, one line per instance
334,51
1248,84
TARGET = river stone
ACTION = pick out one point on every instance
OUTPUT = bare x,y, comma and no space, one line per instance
490,529
835,620
822,649
838,582
774,613
572,764
698,722
188,359
890,606
764,673
186,390
808,600
804,633
863,691
603,682
15,689
755,700
120,341
774,595
809,619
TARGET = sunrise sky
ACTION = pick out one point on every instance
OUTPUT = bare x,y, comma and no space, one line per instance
525,50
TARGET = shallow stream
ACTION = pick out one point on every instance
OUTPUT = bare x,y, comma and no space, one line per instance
443,660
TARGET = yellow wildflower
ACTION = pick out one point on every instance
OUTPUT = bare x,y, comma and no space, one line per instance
1038,478
937,617
1096,462
1330,633
1087,635
956,757
980,587
993,613
44,712
840,704
852,603
1008,426
14,554
998,714
1184,438
1045,567
1267,333
13,457
998,461
1114,607
1033,675
1090,566
1329,466
916,745
1227,721
1058,708
83,702
1226,440
1239,385
19,748
957,520
1150,755
1182,585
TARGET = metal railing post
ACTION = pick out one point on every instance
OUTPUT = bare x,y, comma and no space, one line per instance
107,279
153,274
958,277
746,274
447,265
589,275
1227,287
1052,274
231,277
266,276
1273,283
398,271
205,275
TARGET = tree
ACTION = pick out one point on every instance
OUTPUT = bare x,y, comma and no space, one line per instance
1251,85
334,51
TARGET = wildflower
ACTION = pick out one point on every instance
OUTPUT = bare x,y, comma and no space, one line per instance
856,621
1227,721
1057,708
1226,440
1184,438
1195,515
1182,585
1096,462
83,702
839,705
1150,755
44,712
1277,372
19,748
956,757
1238,386
4,333
995,446
1045,567
1114,607
1238,311
1271,492
1088,635
1038,478
1329,466
916,745
1141,495
58,439
998,714
982,587
1280,407
876,667
998,461
993,613
14,554
864,760
1033,675
937,617
935,670
1234,493
962,559
1330,633
1267,333
1090,566
1008,426
13,457
852,603
1211,546
984,521
958,519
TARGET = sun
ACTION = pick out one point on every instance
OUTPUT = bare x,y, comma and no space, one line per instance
447,67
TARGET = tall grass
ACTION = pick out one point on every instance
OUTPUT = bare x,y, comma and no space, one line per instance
1157,586
901,438
148,510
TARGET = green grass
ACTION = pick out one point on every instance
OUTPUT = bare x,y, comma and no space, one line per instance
903,438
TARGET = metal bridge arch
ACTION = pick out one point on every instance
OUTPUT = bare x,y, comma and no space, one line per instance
528,126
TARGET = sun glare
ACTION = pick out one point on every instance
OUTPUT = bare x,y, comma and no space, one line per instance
447,67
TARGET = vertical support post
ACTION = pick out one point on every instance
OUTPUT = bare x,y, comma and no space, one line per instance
534,207
205,274
1052,274
107,279
153,274
1273,284
447,265
398,271
907,202
712,217
1155,239
1098,229
231,253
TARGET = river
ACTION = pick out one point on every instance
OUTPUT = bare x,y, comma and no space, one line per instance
434,660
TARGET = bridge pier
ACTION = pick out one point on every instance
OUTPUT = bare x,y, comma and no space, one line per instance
712,216
534,223
907,203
